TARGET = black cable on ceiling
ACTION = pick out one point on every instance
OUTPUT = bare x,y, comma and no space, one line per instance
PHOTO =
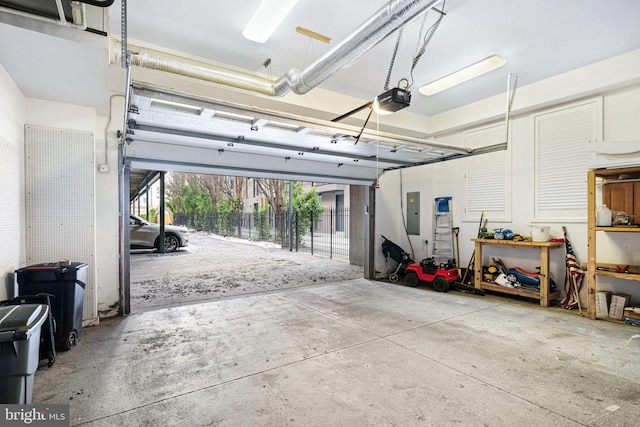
421,48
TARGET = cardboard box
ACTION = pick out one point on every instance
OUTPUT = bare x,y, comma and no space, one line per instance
618,303
603,299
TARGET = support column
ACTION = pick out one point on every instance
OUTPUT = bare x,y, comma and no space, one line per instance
370,233
161,247
125,241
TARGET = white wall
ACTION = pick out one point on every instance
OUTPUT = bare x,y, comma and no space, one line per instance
15,112
107,208
621,109
12,119
66,116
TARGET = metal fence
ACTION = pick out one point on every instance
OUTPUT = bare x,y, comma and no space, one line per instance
326,236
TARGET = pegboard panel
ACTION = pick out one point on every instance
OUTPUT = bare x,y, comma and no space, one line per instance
59,203
9,204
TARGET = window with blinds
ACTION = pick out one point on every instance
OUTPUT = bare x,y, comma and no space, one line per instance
487,183
560,160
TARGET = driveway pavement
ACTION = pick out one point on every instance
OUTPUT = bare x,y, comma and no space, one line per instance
214,267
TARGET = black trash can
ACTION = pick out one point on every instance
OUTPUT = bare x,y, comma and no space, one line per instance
20,327
66,286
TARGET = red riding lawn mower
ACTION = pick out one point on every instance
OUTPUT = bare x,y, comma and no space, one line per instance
441,276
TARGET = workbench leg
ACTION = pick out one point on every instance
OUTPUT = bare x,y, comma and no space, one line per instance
477,266
544,280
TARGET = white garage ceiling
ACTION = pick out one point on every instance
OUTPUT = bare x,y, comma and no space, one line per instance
539,39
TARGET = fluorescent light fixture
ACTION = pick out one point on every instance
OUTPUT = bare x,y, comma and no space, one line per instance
267,17
471,72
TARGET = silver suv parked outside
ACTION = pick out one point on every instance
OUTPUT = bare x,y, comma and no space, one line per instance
145,235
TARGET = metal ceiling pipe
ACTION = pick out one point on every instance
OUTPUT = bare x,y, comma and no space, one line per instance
384,22
380,25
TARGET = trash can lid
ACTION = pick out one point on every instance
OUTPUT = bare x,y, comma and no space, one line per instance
18,322
51,266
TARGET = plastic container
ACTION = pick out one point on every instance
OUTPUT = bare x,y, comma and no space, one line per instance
603,216
66,285
540,233
20,327
47,332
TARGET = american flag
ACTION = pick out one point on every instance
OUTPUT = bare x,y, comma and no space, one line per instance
573,278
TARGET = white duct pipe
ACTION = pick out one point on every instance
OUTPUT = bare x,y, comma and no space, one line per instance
380,25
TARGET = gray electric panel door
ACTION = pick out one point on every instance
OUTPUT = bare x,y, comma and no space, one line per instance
413,213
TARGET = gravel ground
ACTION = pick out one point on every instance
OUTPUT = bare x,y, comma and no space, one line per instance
214,267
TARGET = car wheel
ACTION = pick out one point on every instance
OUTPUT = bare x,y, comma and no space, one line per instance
440,284
171,243
411,279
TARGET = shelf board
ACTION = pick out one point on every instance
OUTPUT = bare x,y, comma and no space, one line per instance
518,244
625,276
515,291
631,229
616,171
611,319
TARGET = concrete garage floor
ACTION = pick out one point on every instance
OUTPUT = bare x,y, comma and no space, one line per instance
349,353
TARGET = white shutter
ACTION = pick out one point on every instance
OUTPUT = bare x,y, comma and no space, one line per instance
560,160
487,184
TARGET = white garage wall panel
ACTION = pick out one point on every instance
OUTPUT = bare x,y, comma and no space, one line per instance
59,203
9,204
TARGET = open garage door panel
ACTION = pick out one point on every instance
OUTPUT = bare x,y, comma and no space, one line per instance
175,132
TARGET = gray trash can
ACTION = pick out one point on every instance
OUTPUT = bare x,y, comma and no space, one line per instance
20,327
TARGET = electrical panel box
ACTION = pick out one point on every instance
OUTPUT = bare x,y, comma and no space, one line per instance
413,213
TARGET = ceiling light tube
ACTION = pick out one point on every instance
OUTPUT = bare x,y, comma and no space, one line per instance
266,19
471,72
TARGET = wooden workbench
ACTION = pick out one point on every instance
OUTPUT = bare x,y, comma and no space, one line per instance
544,295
